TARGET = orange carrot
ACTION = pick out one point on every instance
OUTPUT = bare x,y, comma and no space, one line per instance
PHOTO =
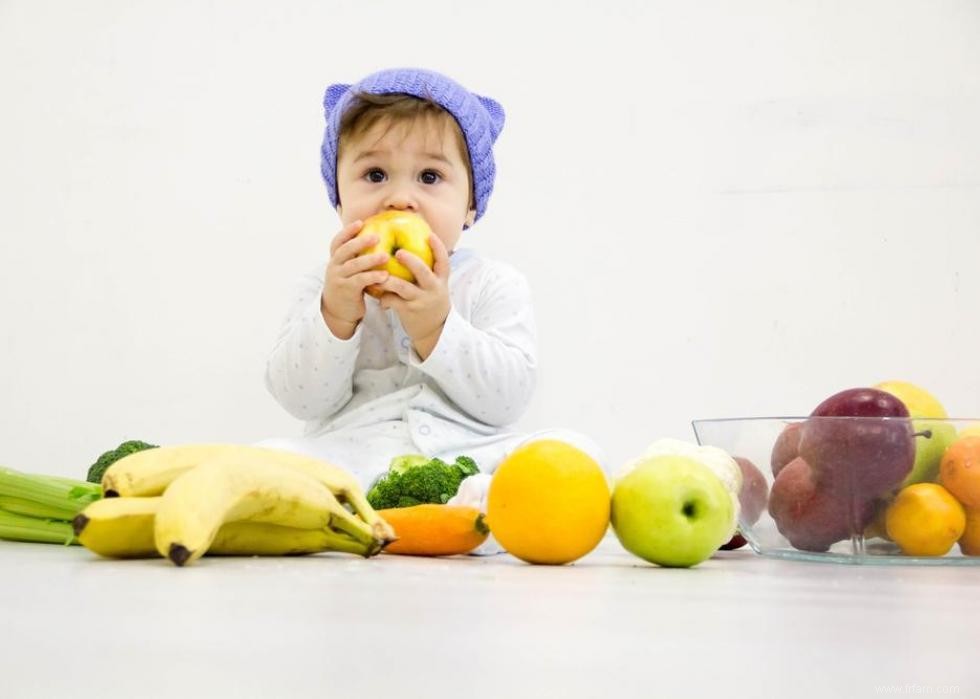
435,530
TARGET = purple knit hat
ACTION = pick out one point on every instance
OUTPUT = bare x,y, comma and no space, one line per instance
480,119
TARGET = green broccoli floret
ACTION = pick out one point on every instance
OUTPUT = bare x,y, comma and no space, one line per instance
97,470
415,480
386,491
467,465
400,464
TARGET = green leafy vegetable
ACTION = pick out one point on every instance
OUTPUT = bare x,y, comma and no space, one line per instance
16,527
96,470
48,491
414,479
39,508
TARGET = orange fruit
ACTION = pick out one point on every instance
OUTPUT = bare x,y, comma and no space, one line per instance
959,470
970,541
548,503
925,520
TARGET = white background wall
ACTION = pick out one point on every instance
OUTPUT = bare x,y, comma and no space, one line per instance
724,208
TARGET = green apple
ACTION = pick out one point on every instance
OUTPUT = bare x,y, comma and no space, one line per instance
672,510
931,439
718,460
932,435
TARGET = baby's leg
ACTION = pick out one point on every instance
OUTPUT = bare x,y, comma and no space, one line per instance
489,453
298,445
366,452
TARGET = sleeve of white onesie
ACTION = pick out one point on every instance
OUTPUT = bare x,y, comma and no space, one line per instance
310,371
486,364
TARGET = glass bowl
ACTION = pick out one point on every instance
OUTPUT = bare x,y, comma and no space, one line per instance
842,473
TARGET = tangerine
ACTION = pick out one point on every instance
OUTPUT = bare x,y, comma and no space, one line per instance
924,519
959,470
548,503
970,541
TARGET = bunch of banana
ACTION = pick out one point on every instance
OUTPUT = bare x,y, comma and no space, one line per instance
221,499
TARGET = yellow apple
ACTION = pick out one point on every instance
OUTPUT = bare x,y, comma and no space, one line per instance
398,230
919,401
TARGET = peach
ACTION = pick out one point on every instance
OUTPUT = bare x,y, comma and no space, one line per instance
752,498
786,447
814,514
754,492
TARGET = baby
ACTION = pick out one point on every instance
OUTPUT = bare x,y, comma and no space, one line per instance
442,366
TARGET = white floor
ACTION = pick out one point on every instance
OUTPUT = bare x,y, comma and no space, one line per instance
607,626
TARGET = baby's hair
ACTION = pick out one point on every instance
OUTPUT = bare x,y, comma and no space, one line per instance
367,110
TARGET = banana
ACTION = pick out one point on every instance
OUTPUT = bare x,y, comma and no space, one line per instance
149,472
118,527
124,528
196,504
260,539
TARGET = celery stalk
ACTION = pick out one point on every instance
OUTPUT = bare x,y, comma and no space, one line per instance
45,531
29,508
51,491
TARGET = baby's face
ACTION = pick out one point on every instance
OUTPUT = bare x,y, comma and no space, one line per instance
415,167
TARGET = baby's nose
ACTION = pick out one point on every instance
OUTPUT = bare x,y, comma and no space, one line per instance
401,198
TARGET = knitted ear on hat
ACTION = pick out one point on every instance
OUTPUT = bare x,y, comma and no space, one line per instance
496,112
328,151
333,95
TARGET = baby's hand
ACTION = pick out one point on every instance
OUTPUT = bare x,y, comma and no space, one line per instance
423,306
346,278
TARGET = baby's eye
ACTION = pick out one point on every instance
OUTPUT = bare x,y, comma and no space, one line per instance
430,177
376,175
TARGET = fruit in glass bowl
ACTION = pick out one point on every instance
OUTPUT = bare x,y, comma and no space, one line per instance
834,473
866,458
753,497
